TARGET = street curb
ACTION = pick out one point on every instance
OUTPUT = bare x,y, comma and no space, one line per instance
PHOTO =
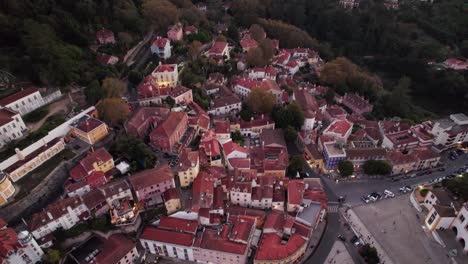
320,240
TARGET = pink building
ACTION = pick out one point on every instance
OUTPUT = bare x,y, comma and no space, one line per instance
357,104
174,32
181,95
149,185
145,119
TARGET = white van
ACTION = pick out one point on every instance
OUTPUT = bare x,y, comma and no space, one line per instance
389,194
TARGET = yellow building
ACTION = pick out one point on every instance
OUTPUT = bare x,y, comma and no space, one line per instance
90,129
171,200
313,157
189,166
7,190
28,163
99,160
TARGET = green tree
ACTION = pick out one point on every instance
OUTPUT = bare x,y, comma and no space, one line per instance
134,150
290,134
94,93
261,101
257,32
135,77
233,33
376,167
53,256
194,49
296,164
113,87
237,137
170,101
345,168
399,101
369,253
113,110
458,186
330,96
160,14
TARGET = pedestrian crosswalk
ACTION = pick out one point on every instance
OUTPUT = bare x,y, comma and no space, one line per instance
332,208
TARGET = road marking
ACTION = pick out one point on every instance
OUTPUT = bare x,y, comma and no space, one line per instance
333,209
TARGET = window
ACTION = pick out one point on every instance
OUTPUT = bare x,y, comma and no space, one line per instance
462,218
432,218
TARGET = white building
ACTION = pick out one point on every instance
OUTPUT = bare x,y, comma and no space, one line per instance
12,126
241,194
116,190
64,214
225,105
460,227
233,150
450,131
162,48
167,75
18,248
24,101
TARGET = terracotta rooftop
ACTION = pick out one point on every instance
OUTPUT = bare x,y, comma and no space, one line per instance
6,116
225,101
340,127
218,47
85,166
93,198
116,247
272,248
115,188
88,124
167,236
366,153
425,153
171,194
169,126
398,158
161,42
229,147
17,96
165,68
151,177
188,159
56,210
295,192
178,224
222,127
273,138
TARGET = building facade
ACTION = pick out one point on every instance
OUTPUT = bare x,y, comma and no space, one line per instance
7,190
24,101
12,126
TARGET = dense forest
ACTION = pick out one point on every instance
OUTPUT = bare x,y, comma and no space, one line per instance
47,42
395,44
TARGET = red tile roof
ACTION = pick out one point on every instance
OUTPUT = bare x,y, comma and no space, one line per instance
116,247
295,192
178,224
169,126
272,248
278,221
188,159
17,96
248,43
8,242
93,198
217,48
88,124
203,191
6,116
210,239
56,210
151,177
307,102
161,42
85,167
171,194
167,236
340,127
240,163
229,147
222,127
165,68
398,158
425,153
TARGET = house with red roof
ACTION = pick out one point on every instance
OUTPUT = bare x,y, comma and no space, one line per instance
253,127
403,162
284,240
222,130
427,158
402,140
243,86
269,72
144,119
23,101
339,130
89,129
106,59
173,238
219,52
174,32
114,249
64,213
171,200
229,104
309,106
19,248
149,185
358,156
334,112
198,119
357,103
231,242
105,36
190,29
210,146
161,47
96,161
188,167
181,95
169,132
166,75
233,150
248,44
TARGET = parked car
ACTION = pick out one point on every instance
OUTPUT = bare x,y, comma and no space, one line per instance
420,173
389,194
365,199
408,188
451,157
428,172
402,189
441,169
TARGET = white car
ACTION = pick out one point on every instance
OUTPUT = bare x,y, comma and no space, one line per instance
389,194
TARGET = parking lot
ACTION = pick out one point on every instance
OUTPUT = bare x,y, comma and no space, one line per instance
398,228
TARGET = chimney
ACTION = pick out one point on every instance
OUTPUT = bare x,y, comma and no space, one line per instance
19,154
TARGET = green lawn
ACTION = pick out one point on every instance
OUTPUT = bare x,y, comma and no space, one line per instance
32,179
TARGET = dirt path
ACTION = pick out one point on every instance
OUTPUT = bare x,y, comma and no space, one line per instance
61,105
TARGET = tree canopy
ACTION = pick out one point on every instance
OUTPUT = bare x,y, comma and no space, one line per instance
261,101
376,167
345,168
113,111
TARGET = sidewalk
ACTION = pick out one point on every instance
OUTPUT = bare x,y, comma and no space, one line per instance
315,238
364,234
339,255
